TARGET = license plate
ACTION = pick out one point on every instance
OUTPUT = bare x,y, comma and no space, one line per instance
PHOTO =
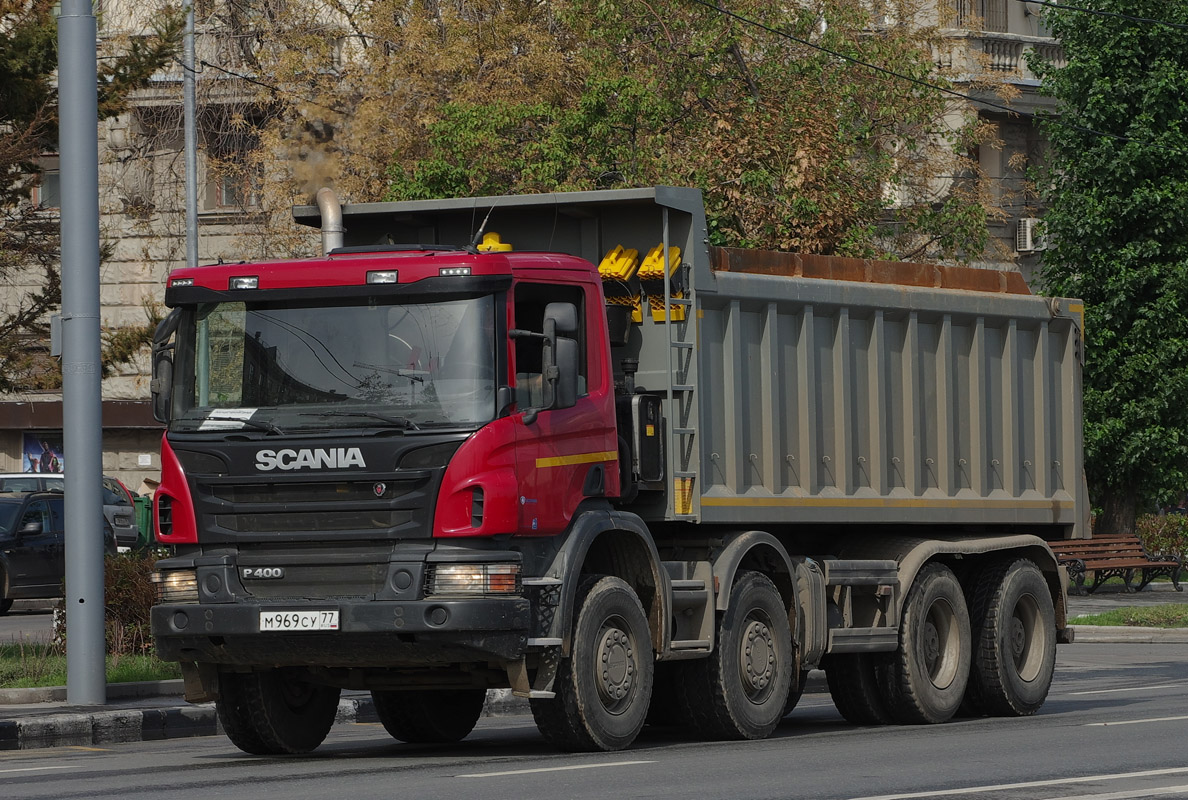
298,621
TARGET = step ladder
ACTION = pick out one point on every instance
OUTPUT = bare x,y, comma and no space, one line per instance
683,461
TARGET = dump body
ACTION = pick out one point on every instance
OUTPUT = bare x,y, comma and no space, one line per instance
814,391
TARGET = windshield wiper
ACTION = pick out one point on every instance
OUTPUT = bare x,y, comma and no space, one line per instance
400,422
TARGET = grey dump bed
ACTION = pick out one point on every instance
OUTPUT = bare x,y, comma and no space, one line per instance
815,390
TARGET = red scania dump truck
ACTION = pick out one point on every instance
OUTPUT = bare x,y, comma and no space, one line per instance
660,489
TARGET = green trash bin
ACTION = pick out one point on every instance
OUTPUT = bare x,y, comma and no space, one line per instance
144,521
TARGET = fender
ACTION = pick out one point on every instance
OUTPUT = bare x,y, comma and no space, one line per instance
760,544
913,553
590,524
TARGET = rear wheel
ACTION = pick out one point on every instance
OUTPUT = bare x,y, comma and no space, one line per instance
604,687
741,690
854,685
429,716
796,692
928,674
5,604
275,712
1014,641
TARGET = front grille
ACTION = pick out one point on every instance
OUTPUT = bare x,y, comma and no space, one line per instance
315,582
345,520
308,492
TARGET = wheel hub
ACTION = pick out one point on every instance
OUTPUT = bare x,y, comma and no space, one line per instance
1018,639
758,660
615,668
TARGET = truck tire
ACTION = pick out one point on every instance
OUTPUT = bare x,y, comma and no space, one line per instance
275,712
796,692
741,690
854,684
1014,641
927,677
5,604
429,716
604,687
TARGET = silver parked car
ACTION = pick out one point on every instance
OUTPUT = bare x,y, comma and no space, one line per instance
117,500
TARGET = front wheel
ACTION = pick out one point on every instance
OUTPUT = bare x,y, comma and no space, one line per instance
429,716
741,690
1014,640
603,688
928,675
275,712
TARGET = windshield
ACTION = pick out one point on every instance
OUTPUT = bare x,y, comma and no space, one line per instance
285,366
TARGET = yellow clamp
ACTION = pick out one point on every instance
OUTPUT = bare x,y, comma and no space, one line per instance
619,263
653,264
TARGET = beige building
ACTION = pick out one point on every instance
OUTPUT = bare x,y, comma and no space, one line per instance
142,194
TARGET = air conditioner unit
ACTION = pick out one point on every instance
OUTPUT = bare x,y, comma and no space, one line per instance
1028,238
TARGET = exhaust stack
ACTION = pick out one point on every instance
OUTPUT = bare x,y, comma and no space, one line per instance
331,210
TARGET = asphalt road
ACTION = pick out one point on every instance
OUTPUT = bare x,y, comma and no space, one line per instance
1113,727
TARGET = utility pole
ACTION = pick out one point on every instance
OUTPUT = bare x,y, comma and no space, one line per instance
190,123
82,411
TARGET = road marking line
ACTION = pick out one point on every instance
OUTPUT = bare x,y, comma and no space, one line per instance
34,769
1002,787
1124,795
1131,689
1132,722
551,769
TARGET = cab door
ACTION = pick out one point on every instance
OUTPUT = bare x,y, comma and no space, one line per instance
564,455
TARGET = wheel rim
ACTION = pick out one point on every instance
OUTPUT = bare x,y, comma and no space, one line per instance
941,644
1024,635
615,667
296,694
757,659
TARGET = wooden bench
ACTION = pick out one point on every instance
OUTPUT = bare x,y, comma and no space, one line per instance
1113,556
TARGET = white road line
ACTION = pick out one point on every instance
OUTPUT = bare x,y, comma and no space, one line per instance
1177,790
34,769
552,769
1002,787
1131,689
1132,722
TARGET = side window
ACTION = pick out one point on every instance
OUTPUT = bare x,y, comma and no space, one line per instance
37,511
57,508
530,301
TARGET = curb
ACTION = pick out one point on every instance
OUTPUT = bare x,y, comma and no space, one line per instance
115,691
94,726
1118,634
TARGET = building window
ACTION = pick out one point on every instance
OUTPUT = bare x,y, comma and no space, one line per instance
986,15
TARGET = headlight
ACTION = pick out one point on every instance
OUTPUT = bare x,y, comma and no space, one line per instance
176,585
473,579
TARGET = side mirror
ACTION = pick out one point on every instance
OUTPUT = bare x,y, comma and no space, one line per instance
566,390
30,528
563,316
162,385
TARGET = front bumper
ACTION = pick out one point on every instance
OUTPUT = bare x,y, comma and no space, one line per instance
372,633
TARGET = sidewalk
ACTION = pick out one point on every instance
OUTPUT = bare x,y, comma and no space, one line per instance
32,718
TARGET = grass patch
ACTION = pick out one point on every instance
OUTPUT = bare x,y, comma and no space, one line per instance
1172,615
25,665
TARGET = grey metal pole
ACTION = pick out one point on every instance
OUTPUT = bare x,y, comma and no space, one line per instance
190,123
78,137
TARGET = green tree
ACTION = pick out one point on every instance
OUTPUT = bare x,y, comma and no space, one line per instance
795,147
1117,193
29,237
